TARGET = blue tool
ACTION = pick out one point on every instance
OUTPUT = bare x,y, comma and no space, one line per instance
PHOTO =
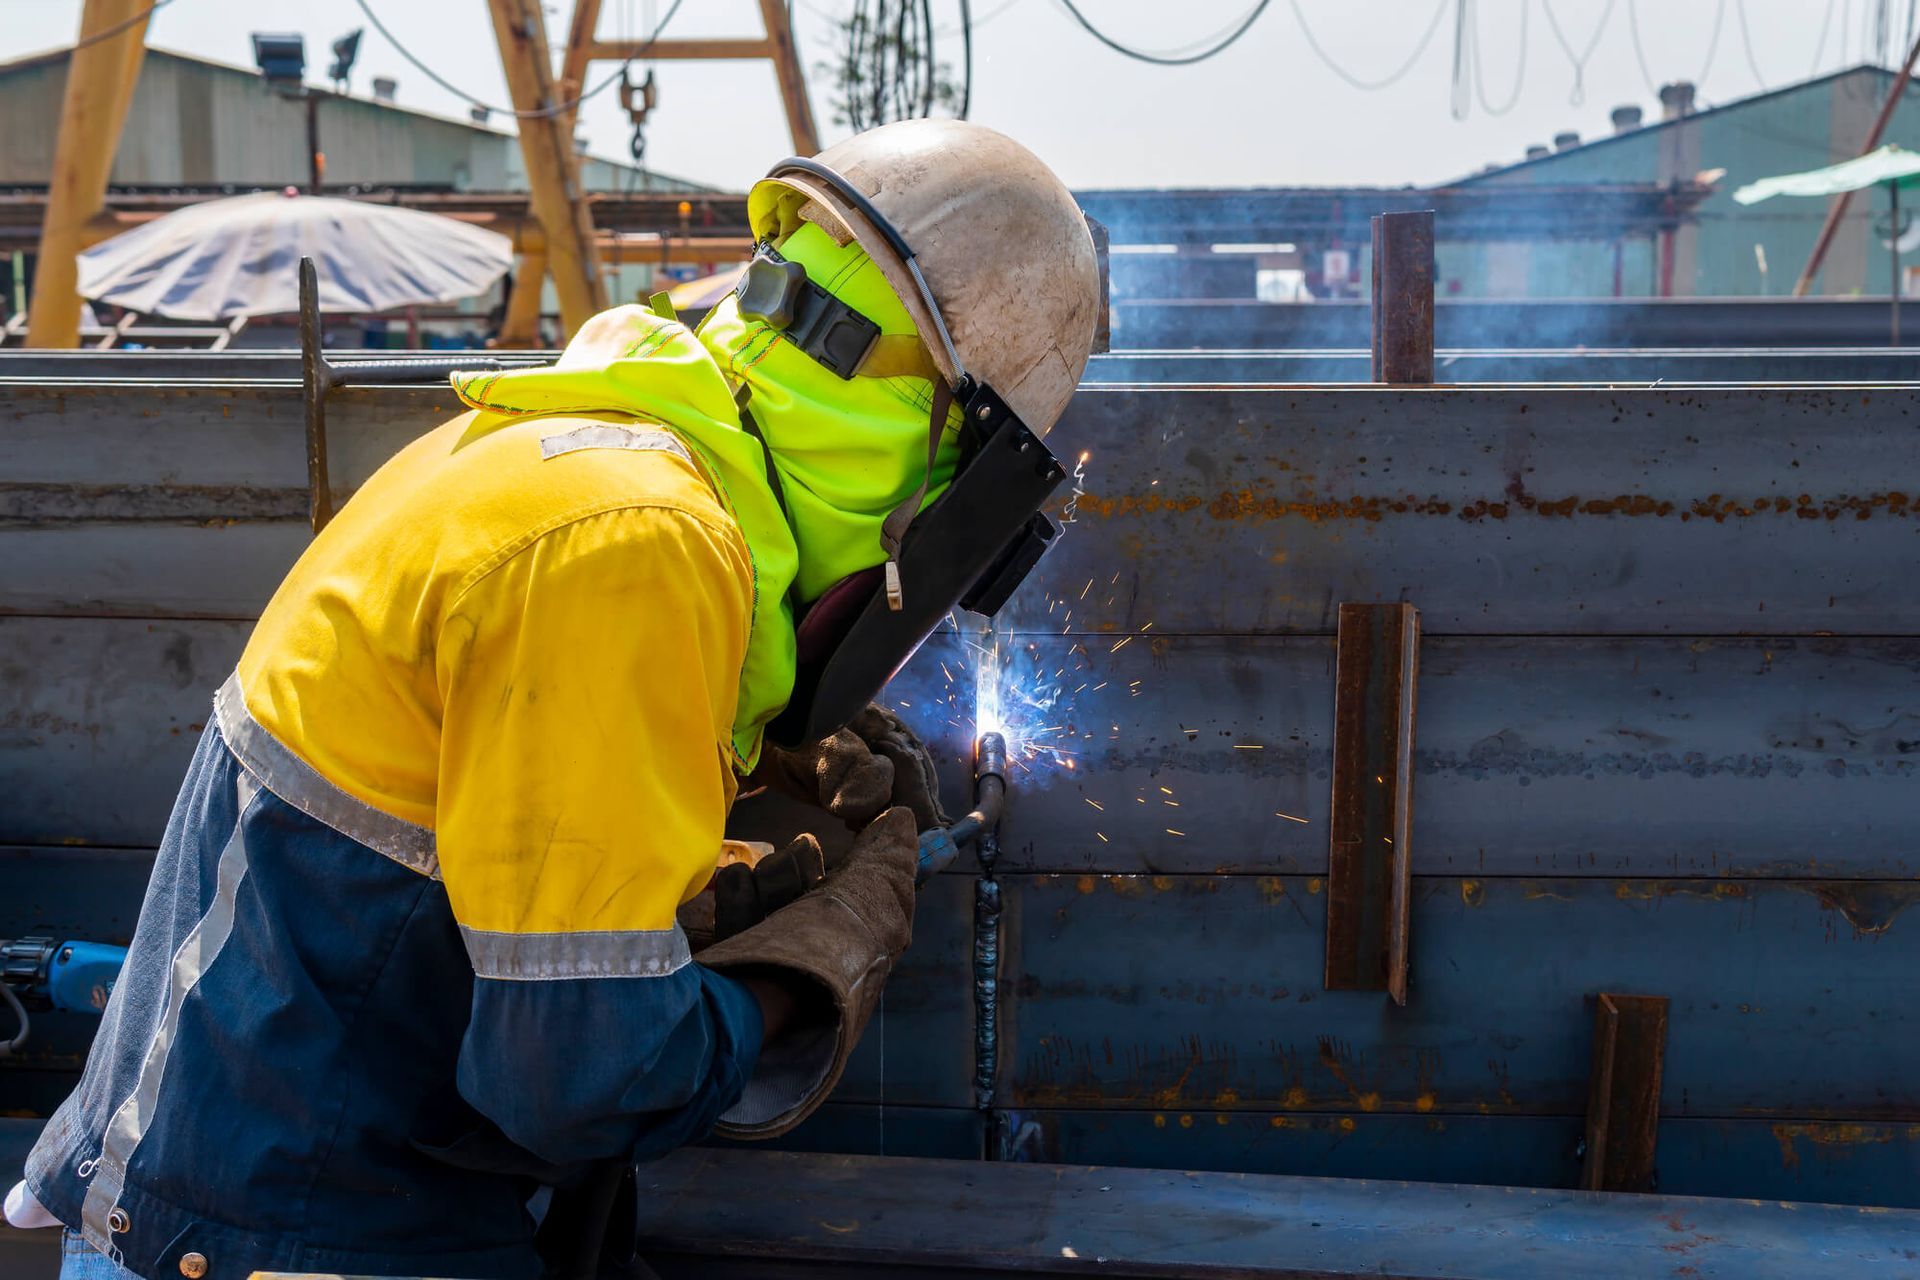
43,973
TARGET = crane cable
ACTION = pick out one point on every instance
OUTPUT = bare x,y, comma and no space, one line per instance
540,113
1163,60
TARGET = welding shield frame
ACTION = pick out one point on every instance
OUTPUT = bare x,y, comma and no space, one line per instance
970,548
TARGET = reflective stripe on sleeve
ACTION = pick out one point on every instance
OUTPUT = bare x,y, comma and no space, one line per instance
197,951
300,785
603,953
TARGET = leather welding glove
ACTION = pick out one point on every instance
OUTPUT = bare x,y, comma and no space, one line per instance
916,783
836,945
745,895
839,774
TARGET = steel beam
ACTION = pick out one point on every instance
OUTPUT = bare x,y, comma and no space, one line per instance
546,144
101,72
851,1215
1403,297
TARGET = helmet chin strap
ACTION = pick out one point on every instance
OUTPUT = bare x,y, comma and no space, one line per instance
894,527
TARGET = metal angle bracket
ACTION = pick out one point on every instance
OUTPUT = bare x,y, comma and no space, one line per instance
320,378
1623,1099
1369,856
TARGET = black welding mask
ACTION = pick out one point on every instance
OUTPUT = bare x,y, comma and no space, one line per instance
969,548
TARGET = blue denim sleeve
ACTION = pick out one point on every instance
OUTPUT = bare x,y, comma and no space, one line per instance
589,1068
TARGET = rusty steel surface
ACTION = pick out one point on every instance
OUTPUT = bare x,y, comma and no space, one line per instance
1402,280
1670,690
1369,856
1249,510
1623,1104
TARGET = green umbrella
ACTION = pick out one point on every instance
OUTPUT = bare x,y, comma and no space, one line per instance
1890,166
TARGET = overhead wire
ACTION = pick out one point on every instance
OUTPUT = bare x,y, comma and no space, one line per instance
1479,63
1820,46
1578,94
540,113
1393,77
1640,53
1746,41
119,26
966,43
1166,60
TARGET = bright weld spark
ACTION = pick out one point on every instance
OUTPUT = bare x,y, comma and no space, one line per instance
1097,688
1290,818
1248,746
1172,832
1123,644
1175,804
1103,839
1079,488
1087,588
1095,803
1166,791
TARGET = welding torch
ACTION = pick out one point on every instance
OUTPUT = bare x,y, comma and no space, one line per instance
940,846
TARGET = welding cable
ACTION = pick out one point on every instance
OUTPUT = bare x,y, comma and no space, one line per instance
1163,60
20,1012
1394,77
541,113
118,27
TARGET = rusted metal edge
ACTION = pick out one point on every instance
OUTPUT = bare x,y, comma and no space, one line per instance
1369,856
1623,1103
1403,297
1103,255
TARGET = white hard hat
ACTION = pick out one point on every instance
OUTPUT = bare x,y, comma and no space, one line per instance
975,220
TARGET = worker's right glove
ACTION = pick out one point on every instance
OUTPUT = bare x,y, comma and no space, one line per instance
875,762
836,944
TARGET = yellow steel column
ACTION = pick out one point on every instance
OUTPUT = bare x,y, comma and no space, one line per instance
546,144
100,79
520,327
793,81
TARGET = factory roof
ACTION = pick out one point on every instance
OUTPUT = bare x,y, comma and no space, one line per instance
1588,146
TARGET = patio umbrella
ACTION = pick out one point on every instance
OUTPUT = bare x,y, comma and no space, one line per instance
236,257
1890,166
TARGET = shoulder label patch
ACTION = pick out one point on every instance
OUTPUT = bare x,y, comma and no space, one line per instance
605,435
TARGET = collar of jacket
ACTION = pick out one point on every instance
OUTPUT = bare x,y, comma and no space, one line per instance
632,362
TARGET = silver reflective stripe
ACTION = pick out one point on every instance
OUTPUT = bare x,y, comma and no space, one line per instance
604,435
197,951
547,957
295,781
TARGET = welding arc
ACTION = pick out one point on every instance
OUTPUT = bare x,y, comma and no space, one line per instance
1163,60
541,113
1393,77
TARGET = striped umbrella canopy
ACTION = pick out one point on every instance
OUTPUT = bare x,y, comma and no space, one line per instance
237,257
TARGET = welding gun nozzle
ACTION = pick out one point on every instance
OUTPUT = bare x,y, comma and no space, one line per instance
990,757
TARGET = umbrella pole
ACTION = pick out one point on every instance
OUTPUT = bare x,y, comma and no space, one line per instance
1893,255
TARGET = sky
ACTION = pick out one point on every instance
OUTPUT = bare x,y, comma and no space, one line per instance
1273,109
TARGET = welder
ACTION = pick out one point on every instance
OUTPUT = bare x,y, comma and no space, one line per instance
411,948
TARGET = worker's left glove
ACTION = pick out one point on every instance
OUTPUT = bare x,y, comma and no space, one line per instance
834,947
839,773
745,895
